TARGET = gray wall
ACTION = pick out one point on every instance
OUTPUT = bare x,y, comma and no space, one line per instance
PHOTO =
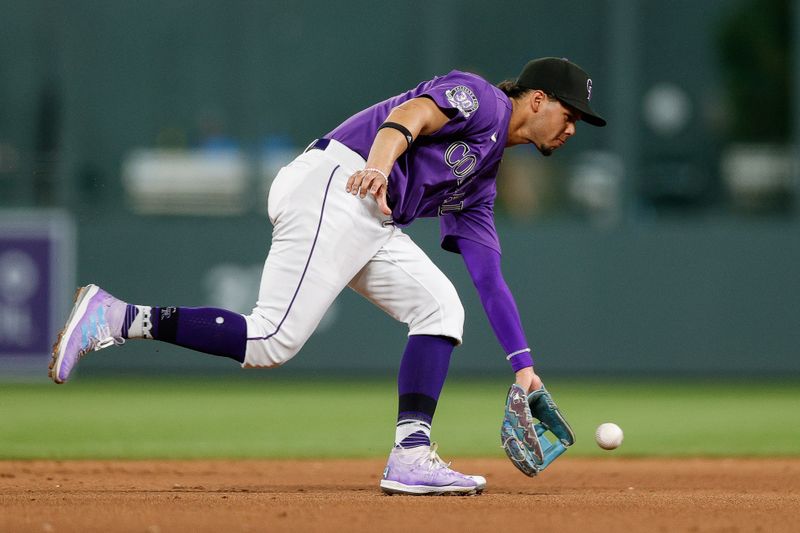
719,297
676,287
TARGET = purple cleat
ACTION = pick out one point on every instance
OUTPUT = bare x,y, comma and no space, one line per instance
420,470
95,323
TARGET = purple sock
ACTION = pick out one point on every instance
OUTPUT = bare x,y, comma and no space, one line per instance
204,329
420,381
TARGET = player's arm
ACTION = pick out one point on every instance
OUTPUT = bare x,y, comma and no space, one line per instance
527,400
483,264
418,116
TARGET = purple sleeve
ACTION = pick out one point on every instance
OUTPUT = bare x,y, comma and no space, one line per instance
483,264
475,224
468,101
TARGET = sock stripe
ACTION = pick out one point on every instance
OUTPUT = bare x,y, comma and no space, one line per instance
167,321
413,421
130,315
412,433
414,402
418,438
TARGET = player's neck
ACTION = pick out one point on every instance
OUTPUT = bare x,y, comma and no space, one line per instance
516,124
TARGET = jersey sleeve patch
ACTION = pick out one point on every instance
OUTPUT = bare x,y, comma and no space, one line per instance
462,98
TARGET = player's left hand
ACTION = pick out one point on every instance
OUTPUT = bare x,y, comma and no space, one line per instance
518,433
372,182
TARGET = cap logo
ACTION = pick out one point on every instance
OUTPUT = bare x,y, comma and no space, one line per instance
463,99
589,89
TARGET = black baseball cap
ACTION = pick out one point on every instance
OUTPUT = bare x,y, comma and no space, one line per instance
566,81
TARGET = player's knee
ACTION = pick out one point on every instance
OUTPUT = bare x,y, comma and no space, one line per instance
268,346
455,320
269,353
442,315
459,314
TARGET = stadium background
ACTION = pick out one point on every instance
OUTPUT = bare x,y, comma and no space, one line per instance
140,138
639,249
654,263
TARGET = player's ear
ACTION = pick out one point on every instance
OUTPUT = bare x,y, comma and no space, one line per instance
536,99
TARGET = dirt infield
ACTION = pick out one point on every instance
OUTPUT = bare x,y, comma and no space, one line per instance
581,495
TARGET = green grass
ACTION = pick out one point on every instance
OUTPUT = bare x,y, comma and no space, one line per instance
196,418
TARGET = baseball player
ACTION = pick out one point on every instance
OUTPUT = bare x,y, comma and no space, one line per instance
338,211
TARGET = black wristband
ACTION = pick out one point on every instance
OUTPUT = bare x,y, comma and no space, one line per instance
399,127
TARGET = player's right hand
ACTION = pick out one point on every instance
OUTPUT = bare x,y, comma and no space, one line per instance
372,181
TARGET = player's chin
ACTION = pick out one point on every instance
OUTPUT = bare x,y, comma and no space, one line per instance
548,149
545,150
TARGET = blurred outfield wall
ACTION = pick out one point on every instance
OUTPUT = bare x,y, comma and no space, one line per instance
664,298
666,256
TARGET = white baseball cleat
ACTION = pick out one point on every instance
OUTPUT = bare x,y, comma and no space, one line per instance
420,471
94,323
480,481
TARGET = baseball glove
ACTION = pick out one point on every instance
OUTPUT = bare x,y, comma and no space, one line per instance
545,409
520,435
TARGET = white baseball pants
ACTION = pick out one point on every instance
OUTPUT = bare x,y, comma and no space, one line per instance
325,239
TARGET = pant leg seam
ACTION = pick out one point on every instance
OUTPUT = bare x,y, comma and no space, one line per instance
308,262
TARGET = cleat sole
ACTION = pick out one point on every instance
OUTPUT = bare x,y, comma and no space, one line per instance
82,297
394,487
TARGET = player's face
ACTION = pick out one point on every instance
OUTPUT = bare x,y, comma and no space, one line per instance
555,124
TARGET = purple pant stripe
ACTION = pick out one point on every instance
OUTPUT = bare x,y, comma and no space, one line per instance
308,262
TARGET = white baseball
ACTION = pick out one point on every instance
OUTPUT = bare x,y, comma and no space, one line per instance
608,436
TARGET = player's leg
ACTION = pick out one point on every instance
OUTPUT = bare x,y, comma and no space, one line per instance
322,236
317,248
99,320
401,280
423,370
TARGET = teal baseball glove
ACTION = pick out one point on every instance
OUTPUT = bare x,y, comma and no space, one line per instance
545,409
523,439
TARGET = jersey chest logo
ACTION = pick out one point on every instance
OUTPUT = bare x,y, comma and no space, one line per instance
461,162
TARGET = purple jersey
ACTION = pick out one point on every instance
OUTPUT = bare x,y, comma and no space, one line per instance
451,173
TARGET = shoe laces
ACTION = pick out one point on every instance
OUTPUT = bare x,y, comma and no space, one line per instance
102,337
432,460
